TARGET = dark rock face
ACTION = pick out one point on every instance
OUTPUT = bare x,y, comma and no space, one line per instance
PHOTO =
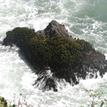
53,47
54,29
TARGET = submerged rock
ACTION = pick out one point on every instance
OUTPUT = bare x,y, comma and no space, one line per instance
53,47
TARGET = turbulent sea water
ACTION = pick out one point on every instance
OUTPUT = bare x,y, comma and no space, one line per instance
86,19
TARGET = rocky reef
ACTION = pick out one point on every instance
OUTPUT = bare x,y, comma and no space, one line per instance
53,53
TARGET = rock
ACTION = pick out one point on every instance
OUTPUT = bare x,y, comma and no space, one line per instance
54,29
68,58
46,81
50,84
19,36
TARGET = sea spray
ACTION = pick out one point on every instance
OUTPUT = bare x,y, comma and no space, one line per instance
82,18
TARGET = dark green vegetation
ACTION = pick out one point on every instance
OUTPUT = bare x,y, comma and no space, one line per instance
3,103
67,58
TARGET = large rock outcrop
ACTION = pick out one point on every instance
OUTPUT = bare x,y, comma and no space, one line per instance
66,57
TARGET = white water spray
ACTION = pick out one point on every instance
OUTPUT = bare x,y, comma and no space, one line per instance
16,78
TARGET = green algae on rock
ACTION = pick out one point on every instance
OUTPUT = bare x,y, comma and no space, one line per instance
68,58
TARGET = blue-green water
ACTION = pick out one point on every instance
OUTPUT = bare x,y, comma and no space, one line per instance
86,19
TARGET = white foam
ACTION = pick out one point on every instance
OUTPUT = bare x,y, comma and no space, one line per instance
17,78
106,56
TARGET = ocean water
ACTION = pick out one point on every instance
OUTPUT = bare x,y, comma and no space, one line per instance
85,19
